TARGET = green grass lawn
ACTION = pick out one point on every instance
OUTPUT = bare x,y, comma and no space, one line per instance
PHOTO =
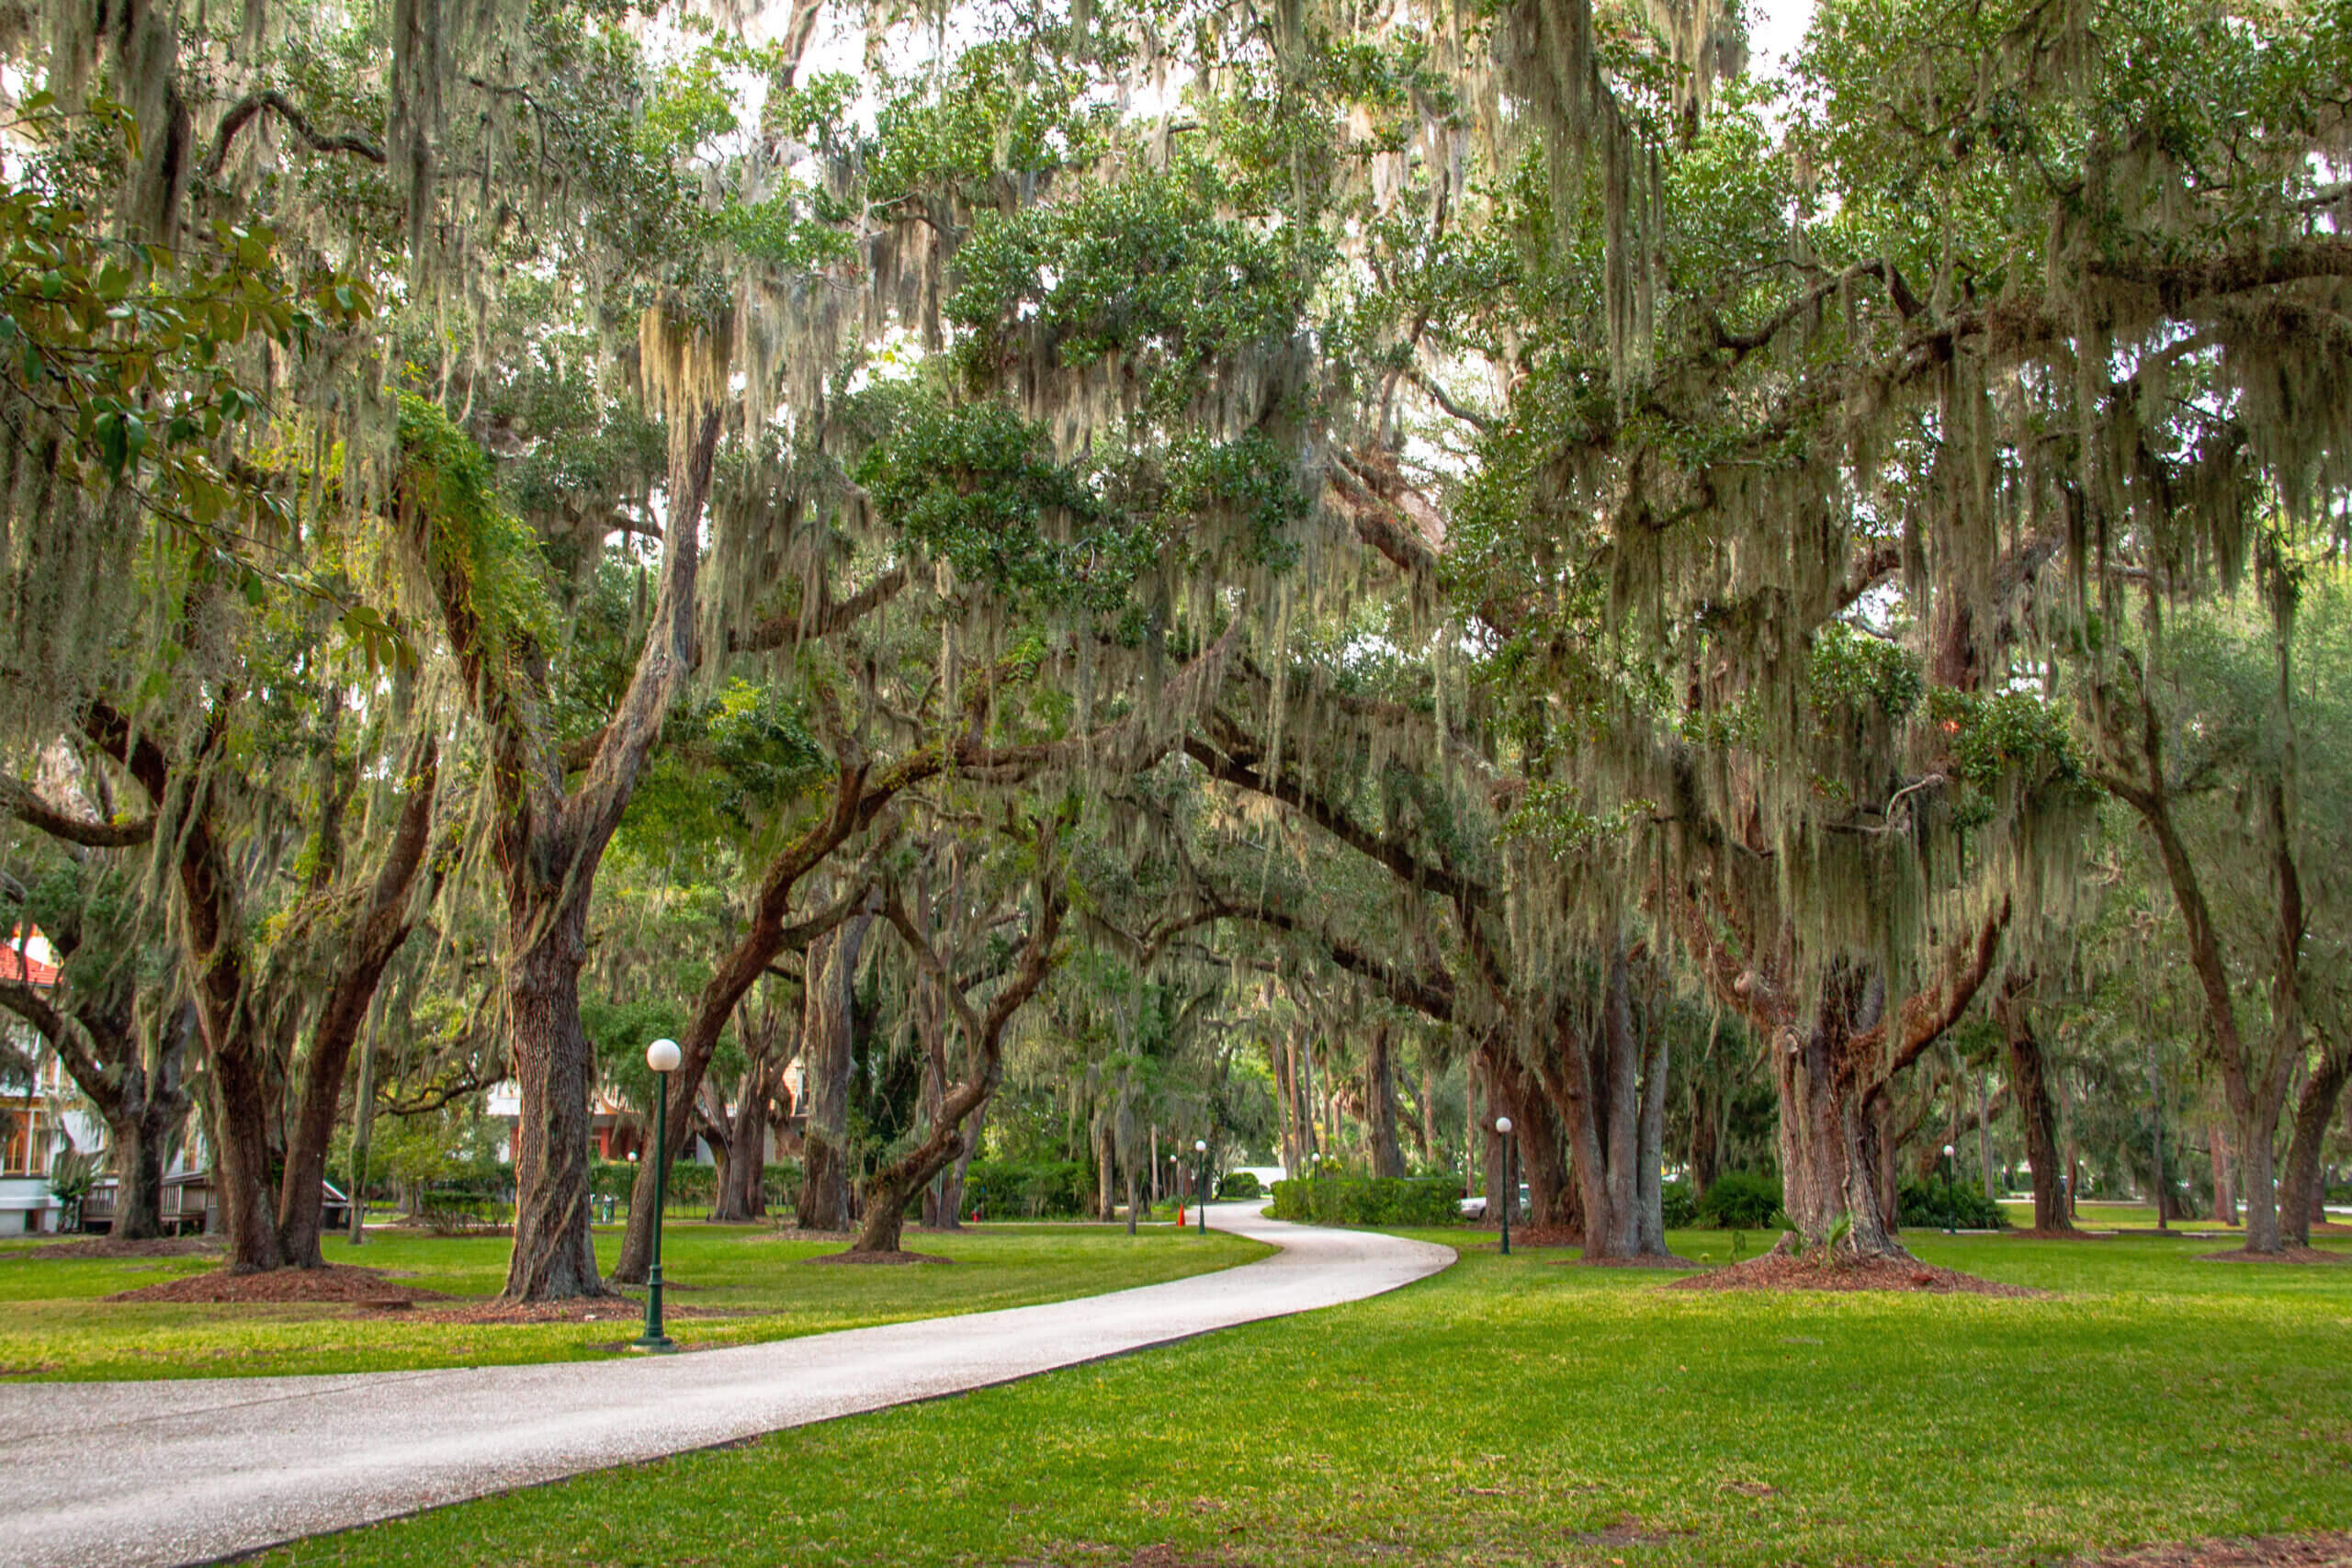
53,1326
2098,1215
1524,1411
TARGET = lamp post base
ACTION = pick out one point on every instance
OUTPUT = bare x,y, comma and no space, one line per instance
654,1345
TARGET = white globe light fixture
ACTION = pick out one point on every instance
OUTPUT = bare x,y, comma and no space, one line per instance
662,1055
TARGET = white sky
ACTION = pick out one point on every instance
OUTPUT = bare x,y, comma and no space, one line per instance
1775,27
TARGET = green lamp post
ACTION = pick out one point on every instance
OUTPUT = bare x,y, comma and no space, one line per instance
1510,1184
662,1058
1200,1149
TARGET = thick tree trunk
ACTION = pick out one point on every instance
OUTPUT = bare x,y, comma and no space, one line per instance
2258,1182
2255,1106
1106,1201
138,1155
1608,1084
883,1223
2030,1087
2301,1200
242,1159
1827,1180
555,1070
1379,1105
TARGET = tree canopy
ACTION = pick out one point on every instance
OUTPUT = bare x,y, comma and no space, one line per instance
1027,576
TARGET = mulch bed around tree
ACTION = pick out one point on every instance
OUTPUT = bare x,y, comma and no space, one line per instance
877,1258
1793,1271
2331,1551
337,1283
1667,1260
108,1247
2288,1255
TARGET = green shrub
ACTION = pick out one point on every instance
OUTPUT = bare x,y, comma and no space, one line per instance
454,1210
689,1183
1369,1201
489,1186
1040,1190
1675,1203
1938,1204
1240,1184
1739,1201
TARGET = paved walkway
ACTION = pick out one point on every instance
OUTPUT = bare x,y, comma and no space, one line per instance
175,1472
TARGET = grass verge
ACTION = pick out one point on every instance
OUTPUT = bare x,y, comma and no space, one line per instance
1518,1412
53,1326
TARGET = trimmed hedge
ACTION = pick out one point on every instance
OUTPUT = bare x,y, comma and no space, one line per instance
1240,1184
1937,1204
1369,1201
1676,1205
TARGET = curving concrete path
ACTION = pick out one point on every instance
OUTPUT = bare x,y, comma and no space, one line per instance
176,1472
